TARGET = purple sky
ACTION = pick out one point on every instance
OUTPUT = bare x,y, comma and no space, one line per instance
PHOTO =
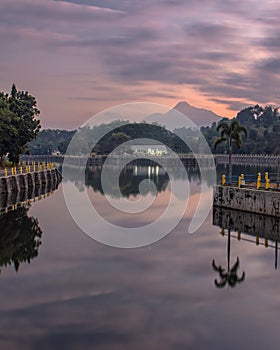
79,57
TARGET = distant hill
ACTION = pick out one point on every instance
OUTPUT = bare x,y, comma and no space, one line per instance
262,123
263,127
172,119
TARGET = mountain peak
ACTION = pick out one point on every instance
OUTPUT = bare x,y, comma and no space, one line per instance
181,104
174,120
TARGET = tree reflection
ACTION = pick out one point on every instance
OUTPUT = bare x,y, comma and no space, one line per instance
128,182
230,275
20,238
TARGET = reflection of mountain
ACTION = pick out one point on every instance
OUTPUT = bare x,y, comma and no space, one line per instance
20,238
259,226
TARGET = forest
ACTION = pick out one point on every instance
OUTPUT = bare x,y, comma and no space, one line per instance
262,124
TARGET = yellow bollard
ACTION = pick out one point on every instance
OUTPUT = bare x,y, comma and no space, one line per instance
242,180
20,170
223,180
6,210
34,167
5,172
259,181
239,181
267,181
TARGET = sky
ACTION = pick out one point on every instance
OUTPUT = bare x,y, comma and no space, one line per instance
79,57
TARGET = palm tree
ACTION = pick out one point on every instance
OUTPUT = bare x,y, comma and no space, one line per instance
230,133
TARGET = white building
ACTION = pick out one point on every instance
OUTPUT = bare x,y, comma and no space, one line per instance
153,150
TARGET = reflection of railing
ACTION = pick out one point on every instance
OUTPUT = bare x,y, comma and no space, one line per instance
23,203
265,229
258,241
263,226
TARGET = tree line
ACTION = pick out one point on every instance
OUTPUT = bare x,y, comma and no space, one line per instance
20,131
263,128
18,123
262,124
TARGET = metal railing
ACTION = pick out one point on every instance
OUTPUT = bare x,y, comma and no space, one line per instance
267,181
26,167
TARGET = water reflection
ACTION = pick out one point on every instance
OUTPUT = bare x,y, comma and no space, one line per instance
129,181
131,176
20,238
228,276
265,229
10,201
20,234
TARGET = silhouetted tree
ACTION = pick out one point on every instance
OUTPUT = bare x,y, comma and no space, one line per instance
230,133
24,110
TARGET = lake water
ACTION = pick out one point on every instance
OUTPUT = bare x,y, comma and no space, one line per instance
60,289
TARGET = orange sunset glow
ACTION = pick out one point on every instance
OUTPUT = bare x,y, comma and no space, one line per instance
79,57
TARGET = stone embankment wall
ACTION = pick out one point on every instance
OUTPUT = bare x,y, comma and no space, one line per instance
266,202
30,181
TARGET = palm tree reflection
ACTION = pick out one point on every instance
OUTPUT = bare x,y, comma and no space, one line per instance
230,275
